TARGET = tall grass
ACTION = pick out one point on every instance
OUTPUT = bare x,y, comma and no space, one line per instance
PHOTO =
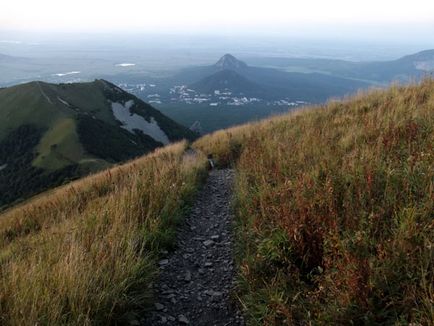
86,253
335,210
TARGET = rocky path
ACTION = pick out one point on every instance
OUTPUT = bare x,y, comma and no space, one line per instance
196,279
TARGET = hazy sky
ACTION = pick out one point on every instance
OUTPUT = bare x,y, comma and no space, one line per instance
214,16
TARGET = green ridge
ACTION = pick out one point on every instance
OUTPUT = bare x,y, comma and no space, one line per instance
76,130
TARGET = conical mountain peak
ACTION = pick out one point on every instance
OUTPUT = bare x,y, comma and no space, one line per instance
228,61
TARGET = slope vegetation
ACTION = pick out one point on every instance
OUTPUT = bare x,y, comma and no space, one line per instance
335,210
51,133
334,222
85,254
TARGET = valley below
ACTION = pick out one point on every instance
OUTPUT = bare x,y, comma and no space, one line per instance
267,86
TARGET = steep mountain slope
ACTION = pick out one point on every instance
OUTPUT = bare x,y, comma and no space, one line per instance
231,81
404,69
312,87
193,74
334,224
423,60
335,211
228,61
50,133
85,253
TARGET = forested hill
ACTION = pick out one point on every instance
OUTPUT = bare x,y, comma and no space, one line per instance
52,133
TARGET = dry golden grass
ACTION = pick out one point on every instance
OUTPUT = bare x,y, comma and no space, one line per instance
335,209
85,254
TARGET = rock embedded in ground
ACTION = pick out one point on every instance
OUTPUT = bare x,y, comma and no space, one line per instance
163,262
187,277
197,278
208,243
183,320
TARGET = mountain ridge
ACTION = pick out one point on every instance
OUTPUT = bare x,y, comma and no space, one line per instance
230,80
279,84
228,61
333,222
71,130
405,68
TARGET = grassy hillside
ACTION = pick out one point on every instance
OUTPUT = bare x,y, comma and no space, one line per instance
86,253
334,222
335,211
52,133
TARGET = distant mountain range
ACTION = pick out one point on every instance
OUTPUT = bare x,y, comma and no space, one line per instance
50,133
407,68
266,83
404,69
263,85
279,84
232,81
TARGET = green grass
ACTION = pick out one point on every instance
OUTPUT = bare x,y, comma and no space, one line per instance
86,253
59,147
334,222
79,132
88,97
25,104
335,210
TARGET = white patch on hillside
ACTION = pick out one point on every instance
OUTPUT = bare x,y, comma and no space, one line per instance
125,64
2,167
66,73
43,93
63,101
131,121
425,65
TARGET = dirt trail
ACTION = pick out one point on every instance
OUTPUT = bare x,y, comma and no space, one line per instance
197,278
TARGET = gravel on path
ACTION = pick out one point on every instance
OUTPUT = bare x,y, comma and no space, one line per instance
196,280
